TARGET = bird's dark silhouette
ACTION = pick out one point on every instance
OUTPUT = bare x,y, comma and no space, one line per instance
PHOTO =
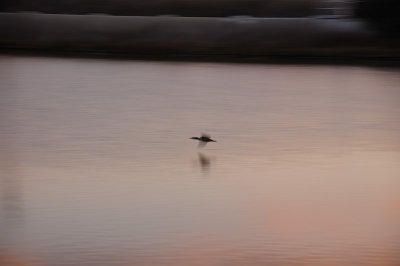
203,140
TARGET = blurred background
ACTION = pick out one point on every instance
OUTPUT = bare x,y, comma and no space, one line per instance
193,27
99,101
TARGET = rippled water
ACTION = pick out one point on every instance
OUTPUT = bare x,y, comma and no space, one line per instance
97,167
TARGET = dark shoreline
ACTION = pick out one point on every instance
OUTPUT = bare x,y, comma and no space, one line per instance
243,40
236,59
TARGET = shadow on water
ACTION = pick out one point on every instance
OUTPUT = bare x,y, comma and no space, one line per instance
204,162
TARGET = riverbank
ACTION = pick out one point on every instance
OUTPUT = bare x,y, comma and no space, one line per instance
170,36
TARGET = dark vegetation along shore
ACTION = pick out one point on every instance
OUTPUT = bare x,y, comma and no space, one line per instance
184,8
186,35
166,35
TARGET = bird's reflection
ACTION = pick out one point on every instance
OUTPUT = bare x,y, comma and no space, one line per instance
205,162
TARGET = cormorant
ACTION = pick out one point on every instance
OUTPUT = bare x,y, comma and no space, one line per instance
203,139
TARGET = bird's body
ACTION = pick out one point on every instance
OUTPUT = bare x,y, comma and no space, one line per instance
203,140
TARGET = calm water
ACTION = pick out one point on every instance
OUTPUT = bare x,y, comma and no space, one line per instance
97,167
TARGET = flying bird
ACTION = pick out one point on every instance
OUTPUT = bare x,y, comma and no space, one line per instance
203,140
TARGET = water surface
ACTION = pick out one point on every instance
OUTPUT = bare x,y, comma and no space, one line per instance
97,167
